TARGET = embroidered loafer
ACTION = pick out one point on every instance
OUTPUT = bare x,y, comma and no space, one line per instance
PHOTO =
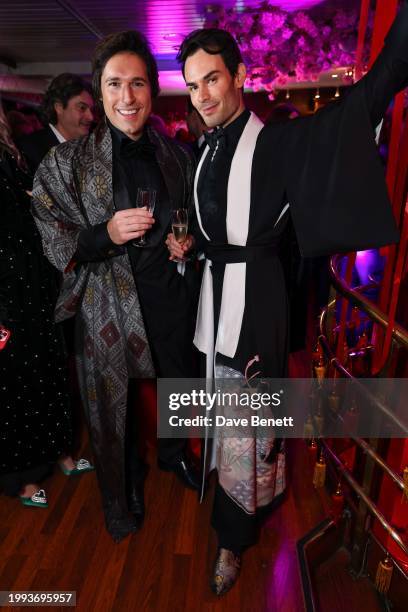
226,571
37,500
81,466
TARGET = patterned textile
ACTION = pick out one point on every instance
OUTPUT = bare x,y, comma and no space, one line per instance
245,471
72,192
226,571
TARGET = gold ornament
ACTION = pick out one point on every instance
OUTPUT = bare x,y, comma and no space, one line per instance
334,401
319,475
405,479
384,575
320,370
308,430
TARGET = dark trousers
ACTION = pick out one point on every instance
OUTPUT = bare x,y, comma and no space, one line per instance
236,530
169,450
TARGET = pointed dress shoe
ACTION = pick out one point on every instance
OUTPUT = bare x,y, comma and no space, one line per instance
226,571
184,471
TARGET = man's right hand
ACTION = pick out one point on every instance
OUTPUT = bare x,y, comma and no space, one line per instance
129,224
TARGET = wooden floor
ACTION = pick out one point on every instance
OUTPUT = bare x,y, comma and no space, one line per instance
164,567
167,565
338,592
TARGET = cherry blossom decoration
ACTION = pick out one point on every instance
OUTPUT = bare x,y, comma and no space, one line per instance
280,46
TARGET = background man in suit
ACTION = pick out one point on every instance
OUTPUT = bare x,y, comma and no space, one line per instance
68,108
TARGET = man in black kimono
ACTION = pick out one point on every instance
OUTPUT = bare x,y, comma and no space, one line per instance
133,308
325,171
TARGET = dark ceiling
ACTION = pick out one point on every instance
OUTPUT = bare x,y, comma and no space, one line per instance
41,38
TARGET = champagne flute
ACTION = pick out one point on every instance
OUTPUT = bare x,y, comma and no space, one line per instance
146,198
179,226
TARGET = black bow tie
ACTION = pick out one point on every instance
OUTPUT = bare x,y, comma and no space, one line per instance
216,138
138,148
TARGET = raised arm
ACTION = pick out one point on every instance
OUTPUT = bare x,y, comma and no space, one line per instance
389,73
334,179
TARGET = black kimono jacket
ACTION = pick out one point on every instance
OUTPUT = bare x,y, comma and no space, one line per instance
328,168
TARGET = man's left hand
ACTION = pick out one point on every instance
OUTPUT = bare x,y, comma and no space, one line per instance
177,250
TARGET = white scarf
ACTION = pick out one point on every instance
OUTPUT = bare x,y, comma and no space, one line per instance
233,290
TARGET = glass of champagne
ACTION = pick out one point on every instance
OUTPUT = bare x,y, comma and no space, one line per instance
146,198
179,225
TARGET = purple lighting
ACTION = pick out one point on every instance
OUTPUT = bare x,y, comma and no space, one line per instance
172,82
368,264
294,5
167,24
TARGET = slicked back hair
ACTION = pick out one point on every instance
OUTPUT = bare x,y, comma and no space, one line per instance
213,41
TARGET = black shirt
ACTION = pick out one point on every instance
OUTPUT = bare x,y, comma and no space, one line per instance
164,295
213,183
129,171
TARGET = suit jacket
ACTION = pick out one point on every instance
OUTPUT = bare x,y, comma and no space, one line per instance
35,147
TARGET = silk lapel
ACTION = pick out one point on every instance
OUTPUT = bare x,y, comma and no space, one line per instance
196,202
238,207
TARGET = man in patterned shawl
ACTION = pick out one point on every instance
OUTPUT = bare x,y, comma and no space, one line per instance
133,308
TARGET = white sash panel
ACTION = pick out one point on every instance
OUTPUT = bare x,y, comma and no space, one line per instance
204,332
238,206
233,291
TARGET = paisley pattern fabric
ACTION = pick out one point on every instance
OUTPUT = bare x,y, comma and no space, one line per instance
245,470
226,571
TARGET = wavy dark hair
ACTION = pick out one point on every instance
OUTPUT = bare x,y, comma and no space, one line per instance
61,89
129,41
214,41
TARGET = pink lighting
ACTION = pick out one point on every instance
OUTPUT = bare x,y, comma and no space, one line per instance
172,82
167,24
368,263
294,5
298,59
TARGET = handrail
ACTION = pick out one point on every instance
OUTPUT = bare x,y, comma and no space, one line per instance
368,450
399,333
373,508
360,442
335,362
380,462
